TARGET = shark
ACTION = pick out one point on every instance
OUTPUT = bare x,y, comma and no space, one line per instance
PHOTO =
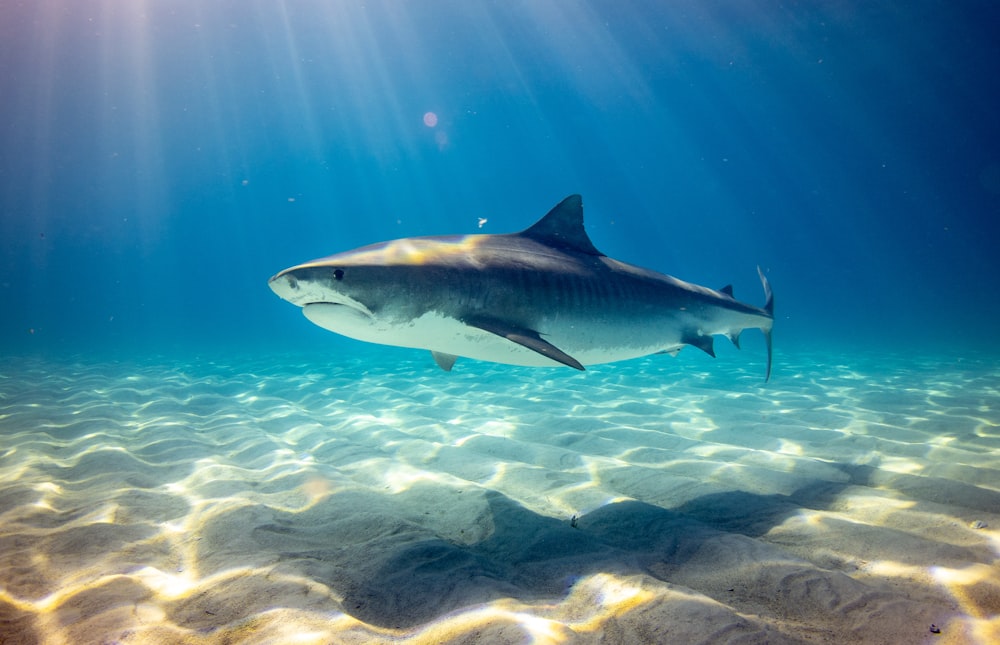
543,297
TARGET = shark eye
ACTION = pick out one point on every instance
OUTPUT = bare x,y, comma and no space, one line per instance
338,274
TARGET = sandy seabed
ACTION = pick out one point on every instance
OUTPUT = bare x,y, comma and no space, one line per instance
284,499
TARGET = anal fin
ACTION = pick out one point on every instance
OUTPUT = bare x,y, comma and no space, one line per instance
524,337
444,361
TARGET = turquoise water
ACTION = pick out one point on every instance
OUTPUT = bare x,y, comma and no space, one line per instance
184,458
282,499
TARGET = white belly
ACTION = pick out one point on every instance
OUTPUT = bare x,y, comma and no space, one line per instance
444,334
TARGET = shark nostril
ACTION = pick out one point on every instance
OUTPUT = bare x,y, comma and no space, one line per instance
292,282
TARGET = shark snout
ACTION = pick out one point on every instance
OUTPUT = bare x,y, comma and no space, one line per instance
286,286
300,287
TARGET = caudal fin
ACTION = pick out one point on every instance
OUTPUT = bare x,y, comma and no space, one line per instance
769,308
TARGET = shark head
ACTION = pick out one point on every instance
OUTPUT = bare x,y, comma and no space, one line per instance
325,298
370,292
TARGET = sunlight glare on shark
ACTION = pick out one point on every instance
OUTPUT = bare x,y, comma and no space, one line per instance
543,297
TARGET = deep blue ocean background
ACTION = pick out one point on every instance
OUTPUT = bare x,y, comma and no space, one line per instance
159,161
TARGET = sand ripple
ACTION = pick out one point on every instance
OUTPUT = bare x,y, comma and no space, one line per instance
285,499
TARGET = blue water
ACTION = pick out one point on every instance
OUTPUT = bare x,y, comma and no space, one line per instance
183,455
159,161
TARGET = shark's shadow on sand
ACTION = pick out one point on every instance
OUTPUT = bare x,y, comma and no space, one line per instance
391,569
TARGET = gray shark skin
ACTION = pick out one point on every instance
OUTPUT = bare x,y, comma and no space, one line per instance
542,297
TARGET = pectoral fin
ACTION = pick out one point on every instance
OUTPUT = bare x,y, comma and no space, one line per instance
525,338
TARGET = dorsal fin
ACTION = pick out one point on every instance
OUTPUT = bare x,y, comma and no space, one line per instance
562,228
728,290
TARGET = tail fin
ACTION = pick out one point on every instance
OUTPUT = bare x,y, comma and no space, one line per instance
769,308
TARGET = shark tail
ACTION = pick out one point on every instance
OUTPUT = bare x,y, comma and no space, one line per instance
769,308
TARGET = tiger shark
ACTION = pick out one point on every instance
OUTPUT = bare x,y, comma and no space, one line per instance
543,297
